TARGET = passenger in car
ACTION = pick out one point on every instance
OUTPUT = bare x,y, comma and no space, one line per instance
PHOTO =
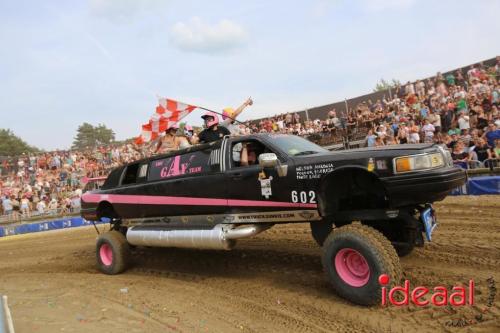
229,115
250,152
215,130
190,134
248,157
169,141
183,141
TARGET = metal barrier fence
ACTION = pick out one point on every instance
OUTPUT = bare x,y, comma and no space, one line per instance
490,163
343,137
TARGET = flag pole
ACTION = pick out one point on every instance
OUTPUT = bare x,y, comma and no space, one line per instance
239,122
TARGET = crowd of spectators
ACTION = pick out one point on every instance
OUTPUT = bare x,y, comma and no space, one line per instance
52,183
293,124
460,110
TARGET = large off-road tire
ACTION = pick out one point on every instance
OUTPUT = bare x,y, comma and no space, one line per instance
354,256
320,231
112,252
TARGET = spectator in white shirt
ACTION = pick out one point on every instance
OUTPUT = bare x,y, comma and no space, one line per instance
40,207
428,130
463,121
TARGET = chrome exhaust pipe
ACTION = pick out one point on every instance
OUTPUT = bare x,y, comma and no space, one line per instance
221,237
247,231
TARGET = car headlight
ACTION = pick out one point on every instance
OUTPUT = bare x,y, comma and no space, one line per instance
418,162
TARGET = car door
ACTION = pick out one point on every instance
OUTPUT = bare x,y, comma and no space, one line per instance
254,189
190,183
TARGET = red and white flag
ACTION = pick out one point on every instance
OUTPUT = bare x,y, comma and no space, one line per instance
168,113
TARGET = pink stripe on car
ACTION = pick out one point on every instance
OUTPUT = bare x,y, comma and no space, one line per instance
187,201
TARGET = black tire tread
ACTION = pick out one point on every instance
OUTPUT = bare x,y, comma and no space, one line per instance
121,252
389,249
386,252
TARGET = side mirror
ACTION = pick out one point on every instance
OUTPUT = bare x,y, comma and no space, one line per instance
268,160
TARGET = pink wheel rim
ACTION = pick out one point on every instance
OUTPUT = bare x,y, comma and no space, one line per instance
106,254
352,267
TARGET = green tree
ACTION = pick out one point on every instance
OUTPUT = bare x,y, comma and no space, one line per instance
88,136
12,145
104,135
385,85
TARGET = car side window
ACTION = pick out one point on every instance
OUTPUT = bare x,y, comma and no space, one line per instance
113,178
130,175
143,172
190,163
246,153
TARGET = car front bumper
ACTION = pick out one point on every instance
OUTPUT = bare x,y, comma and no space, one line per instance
423,187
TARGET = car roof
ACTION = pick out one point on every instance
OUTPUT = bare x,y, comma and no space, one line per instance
202,147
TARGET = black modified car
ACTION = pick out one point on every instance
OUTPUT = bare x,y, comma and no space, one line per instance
365,206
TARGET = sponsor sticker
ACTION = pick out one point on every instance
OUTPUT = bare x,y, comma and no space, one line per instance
313,171
265,186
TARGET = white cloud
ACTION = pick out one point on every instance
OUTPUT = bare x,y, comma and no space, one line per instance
198,36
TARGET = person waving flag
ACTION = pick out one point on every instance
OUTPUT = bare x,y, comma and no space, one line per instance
168,113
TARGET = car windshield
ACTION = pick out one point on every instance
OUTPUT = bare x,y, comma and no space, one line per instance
295,145
93,184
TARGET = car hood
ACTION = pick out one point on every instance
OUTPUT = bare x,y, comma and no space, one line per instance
360,155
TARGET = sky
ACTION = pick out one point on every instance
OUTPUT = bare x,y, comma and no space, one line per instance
63,63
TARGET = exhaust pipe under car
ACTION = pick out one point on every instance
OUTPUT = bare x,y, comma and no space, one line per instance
220,237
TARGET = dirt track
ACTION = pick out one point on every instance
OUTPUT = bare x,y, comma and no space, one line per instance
271,283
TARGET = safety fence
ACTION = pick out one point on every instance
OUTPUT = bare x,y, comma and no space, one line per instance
35,215
479,186
18,229
490,163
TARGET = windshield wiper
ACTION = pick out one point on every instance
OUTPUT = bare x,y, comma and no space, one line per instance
307,152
